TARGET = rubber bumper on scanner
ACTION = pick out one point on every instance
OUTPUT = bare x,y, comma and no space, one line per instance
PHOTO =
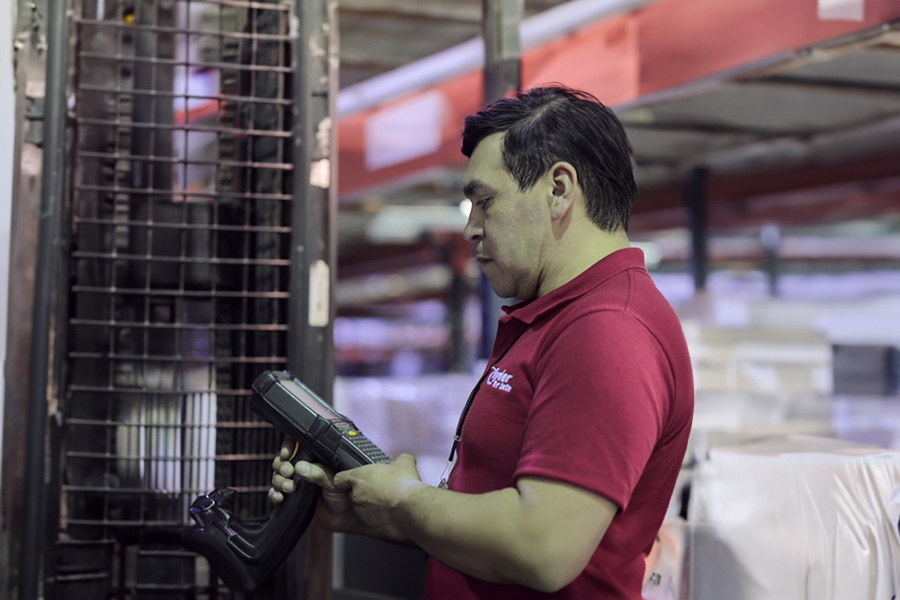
245,556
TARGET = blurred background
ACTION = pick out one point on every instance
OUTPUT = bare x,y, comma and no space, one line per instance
198,190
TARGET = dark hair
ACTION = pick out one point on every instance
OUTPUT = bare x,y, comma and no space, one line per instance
545,125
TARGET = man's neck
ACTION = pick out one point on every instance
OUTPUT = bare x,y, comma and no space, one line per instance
577,251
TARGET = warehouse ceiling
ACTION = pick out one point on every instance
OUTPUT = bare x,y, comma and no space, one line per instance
377,36
804,138
811,139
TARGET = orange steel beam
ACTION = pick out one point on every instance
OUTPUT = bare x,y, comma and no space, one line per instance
667,44
686,40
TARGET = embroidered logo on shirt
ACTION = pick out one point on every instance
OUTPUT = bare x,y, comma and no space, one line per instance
499,380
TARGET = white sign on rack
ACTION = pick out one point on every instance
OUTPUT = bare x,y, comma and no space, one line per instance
319,294
841,10
406,131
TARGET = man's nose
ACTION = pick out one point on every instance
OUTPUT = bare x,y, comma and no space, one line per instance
474,230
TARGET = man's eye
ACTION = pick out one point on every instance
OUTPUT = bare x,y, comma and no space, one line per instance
483,202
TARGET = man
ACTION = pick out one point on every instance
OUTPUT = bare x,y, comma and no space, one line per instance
570,447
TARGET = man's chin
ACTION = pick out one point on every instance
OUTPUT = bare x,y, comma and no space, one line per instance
503,293
501,289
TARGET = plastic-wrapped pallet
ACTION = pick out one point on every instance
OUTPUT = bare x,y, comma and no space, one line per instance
795,518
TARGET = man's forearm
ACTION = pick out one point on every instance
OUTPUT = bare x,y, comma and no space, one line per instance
466,532
540,534
496,537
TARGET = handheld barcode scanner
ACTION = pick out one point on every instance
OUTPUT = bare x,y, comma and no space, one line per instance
245,556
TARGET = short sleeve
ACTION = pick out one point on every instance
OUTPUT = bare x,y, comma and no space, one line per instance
603,389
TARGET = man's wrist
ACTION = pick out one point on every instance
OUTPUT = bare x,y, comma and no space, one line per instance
410,500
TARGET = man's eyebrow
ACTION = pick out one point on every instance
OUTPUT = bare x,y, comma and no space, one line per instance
473,188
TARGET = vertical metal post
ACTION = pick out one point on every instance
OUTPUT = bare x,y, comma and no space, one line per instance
314,256
459,356
490,314
770,239
54,142
455,252
502,76
23,246
314,251
695,199
502,47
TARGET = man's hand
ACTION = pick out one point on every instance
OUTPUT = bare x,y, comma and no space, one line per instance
335,511
376,491
355,501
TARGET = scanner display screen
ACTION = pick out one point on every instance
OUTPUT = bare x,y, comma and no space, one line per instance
313,404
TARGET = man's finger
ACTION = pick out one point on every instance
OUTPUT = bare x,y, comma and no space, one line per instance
407,458
275,496
288,447
343,480
283,467
317,474
283,484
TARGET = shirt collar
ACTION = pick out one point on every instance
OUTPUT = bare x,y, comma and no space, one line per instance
530,311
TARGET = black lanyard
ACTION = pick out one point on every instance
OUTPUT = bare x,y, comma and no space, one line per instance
465,411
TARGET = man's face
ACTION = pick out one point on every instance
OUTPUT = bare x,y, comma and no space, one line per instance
508,225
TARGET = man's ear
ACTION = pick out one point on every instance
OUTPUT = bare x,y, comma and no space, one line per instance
564,181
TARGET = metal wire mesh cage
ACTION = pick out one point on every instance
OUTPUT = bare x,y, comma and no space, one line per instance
182,181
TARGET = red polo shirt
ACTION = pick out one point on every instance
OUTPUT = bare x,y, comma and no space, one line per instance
590,385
